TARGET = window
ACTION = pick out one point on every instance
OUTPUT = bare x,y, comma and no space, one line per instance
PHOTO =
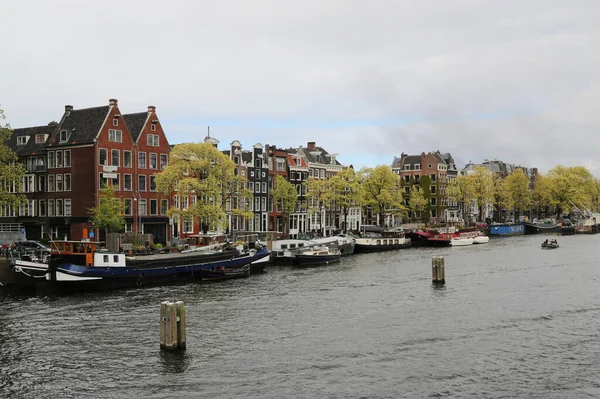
322,173
152,183
142,207
115,122
115,136
164,206
432,189
115,157
251,186
407,179
153,207
264,187
59,159
59,182
153,139
153,127
42,183
153,164
51,183
429,166
67,182
127,159
127,208
103,156
59,207
263,203
50,159
67,207
42,208
176,199
67,158
164,160
188,226
432,177
50,207
433,201
280,166
127,182
185,202
103,181
142,182
256,204
40,138
142,160
64,136
116,184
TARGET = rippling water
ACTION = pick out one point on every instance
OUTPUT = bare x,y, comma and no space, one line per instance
512,321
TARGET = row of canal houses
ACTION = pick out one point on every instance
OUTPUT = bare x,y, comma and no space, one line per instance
67,162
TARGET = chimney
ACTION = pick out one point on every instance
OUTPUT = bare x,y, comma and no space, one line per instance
311,145
151,109
113,102
68,109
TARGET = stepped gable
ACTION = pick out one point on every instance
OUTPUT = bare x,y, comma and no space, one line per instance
82,125
135,124
31,147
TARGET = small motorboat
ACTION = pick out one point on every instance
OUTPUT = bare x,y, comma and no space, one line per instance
317,256
550,244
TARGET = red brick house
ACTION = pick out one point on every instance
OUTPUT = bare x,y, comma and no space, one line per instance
150,156
277,162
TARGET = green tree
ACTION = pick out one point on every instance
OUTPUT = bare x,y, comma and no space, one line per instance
343,192
542,195
380,189
316,191
571,186
108,214
502,198
483,188
517,184
462,191
202,170
285,198
418,203
11,171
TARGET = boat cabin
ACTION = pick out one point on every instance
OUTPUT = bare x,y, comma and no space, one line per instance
86,253
203,240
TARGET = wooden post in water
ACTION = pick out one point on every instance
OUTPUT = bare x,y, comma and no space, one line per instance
172,325
438,271
181,339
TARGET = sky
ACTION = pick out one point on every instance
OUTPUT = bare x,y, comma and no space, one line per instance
517,81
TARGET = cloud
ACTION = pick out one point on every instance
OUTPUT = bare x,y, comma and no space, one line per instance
512,80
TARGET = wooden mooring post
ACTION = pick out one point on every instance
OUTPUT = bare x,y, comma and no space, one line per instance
172,325
438,270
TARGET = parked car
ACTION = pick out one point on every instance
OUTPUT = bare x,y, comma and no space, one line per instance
32,246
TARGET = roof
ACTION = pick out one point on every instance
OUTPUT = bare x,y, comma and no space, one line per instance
291,160
318,155
412,160
135,123
31,147
82,124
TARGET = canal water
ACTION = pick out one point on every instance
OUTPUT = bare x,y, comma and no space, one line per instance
513,321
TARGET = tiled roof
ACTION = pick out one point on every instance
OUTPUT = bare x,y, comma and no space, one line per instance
82,124
31,147
135,123
412,159
291,160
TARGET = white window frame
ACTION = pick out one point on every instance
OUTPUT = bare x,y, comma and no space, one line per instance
130,159
68,201
117,136
130,182
112,160
65,163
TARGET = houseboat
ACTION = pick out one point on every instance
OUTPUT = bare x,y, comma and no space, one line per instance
507,229
84,265
381,241
317,256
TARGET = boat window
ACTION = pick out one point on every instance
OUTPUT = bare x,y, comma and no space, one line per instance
396,242
67,247
384,242
89,249
378,242
105,258
60,246
292,246
300,245
116,258
79,248
283,246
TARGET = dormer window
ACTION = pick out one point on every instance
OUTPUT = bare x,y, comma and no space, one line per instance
40,138
64,136
22,140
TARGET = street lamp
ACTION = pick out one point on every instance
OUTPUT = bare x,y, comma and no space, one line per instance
139,214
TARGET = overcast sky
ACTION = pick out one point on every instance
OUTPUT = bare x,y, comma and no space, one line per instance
512,80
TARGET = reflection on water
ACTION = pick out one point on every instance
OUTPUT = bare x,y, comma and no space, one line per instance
511,321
